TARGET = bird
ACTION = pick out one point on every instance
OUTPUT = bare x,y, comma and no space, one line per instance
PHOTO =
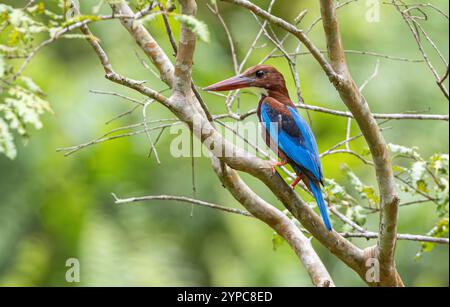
284,127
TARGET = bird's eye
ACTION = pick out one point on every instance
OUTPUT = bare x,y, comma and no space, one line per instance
259,74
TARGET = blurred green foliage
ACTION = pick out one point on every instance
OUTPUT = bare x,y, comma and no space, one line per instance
53,207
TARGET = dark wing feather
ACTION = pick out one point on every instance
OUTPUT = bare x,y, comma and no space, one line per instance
294,137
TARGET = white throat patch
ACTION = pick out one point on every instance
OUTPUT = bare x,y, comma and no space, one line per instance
258,91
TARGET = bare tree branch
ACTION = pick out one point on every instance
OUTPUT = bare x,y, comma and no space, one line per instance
215,10
197,202
346,220
278,221
407,237
146,41
380,153
360,234
416,29
398,116
358,52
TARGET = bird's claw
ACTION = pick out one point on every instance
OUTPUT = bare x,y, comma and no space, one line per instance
277,164
294,184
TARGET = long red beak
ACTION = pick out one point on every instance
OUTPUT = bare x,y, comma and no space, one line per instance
230,84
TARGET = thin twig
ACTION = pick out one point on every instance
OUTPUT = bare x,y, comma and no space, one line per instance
359,52
350,152
407,237
346,220
183,199
393,116
147,130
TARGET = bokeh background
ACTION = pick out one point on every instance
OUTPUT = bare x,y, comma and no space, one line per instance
53,207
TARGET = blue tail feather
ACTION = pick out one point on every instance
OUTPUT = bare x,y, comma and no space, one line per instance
317,192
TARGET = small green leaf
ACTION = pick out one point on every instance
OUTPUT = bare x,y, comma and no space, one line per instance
398,169
365,191
439,231
356,214
417,173
149,18
198,27
365,152
2,66
399,150
7,146
31,86
442,196
7,49
440,164
336,194
277,241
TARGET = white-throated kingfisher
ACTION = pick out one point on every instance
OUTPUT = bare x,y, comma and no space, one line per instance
294,138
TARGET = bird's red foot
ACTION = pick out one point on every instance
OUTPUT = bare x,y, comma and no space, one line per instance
296,181
277,164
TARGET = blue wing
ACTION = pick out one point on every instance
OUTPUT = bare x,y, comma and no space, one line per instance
309,140
294,138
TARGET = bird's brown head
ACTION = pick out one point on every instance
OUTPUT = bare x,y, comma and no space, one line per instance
260,76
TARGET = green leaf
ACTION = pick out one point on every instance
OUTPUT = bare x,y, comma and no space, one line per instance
37,9
198,27
332,188
149,18
439,163
2,66
170,5
365,191
356,214
141,4
22,107
442,196
417,173
31,86
7,146
399,150
277,241
365,152
398,169
441,230
369,193
337,194
7,49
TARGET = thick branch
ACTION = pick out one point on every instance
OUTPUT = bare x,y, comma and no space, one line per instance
379,150
276,220
146,41
185,54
